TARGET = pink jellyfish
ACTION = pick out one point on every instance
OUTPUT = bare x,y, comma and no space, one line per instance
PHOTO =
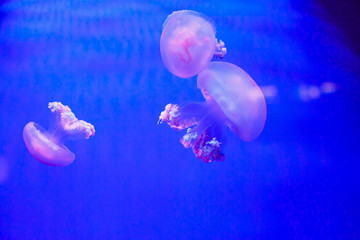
188,43
233,99
48,147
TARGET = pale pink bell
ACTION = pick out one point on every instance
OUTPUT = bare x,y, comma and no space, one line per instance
48,147
187,43
238,96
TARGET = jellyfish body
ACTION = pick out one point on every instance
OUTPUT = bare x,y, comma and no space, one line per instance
187,43
48,147
237,95
233,99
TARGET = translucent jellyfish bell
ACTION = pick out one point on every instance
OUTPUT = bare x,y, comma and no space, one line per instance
233,99
48,147
188,43
238,96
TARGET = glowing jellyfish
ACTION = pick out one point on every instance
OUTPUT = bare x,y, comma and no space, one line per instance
188,43
233,99
48,147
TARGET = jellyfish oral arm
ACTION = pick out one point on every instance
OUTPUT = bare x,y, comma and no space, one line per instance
204,148
171,115
204,137
220,49
67,125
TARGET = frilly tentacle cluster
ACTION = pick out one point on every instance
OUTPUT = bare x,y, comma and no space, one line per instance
171,115
220,49
203,146
69,124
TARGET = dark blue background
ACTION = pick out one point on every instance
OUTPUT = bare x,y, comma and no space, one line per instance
133,179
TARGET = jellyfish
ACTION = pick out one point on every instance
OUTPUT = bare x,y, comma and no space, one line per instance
188,43
48,146
233,100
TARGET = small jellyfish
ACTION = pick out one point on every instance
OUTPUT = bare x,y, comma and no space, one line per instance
48,146
233,99
188,43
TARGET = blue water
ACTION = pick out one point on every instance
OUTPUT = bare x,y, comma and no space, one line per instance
133,179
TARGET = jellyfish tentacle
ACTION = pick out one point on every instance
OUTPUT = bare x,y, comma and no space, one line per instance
220,49
205,137
182,116
67,125
204,147
193,110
